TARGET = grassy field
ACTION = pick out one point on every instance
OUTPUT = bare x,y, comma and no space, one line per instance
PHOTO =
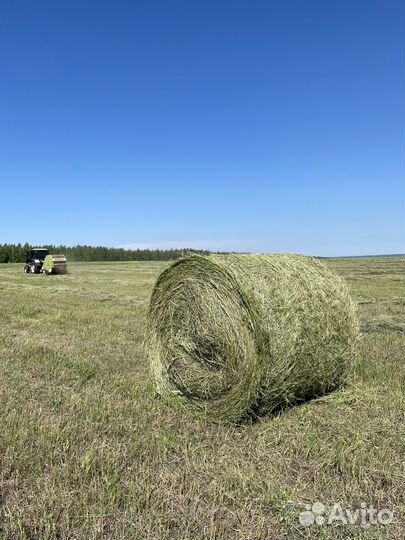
88,451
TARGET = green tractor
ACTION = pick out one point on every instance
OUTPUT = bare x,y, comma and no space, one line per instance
40,260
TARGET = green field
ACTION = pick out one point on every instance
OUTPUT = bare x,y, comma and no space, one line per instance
88,451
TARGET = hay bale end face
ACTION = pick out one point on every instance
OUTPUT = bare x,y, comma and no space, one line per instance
228,335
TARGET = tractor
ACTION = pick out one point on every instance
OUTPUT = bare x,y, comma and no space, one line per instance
34,260
40,260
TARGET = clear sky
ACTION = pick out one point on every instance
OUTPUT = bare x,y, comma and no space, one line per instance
274,125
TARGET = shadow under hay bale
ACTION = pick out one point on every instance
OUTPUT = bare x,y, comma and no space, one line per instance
239,334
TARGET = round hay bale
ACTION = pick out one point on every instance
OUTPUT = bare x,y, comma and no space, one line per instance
232,334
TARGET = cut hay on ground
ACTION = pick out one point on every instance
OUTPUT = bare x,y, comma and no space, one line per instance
228,335
382,323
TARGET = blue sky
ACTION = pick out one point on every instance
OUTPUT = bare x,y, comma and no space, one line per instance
272,125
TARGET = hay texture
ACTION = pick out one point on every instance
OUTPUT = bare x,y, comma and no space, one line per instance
228,335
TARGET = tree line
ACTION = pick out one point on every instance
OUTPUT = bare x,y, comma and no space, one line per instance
16,253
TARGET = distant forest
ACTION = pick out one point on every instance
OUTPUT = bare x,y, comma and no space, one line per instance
15,253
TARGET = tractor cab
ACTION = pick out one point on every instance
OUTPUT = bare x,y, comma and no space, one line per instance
34,260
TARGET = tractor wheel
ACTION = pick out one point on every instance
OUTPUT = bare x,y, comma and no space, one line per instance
33,269
26,269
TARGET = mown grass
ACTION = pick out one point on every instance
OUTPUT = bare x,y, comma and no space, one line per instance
88,451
